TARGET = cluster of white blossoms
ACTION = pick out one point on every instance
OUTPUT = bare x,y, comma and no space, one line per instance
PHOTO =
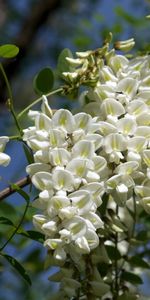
120,99
4,158
70,176
79,158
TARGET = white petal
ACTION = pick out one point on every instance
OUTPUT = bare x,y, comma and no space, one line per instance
3,141
83,245
77,227
59,157
78,166
37,167
100,163
92,176
36,145
128,86
127,126
143,131
43,122
82,200
146,157
83,121
92,238
63,180
4,159
114,142
84,149
112,107
96,139
106,128
41,156
42,181
127,168
136,144
136,107
63,118
49,227
45,108
38,221
57,138
94,219
53,243
97,190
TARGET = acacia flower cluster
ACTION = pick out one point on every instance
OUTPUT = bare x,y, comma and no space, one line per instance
4,158
81,158
119,98
70,176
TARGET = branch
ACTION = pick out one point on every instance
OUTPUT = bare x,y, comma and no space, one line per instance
9,190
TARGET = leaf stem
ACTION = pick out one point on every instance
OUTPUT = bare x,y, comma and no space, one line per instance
10,99
16,229
11,108
7,82
116,263
38,100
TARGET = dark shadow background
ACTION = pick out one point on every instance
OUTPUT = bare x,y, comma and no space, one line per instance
41,29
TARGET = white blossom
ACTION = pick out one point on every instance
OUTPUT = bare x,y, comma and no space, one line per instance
4,158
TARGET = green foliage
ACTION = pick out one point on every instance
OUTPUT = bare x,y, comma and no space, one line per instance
33,235
21,192
44,81
137,261
18,267
113,253
6,221
8,51
131,277
63,65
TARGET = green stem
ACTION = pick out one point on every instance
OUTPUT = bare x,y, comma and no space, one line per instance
37,101
11,107
116,263
15,137
7,82
10,99
17,227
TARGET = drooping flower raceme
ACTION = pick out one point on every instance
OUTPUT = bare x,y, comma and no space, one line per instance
70,176
119,98
79,159
4,158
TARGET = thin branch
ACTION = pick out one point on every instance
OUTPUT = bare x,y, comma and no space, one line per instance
9,190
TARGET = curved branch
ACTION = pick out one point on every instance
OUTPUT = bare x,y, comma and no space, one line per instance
9,190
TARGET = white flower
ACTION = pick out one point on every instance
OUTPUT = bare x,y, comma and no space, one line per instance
4,158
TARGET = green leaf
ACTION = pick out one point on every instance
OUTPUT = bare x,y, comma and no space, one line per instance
21,192
137,261
28,153
8,51
113,253
6,221
63,65
142,236
129,17
43,81
33,235
18,267
103,206
128,296
132,278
